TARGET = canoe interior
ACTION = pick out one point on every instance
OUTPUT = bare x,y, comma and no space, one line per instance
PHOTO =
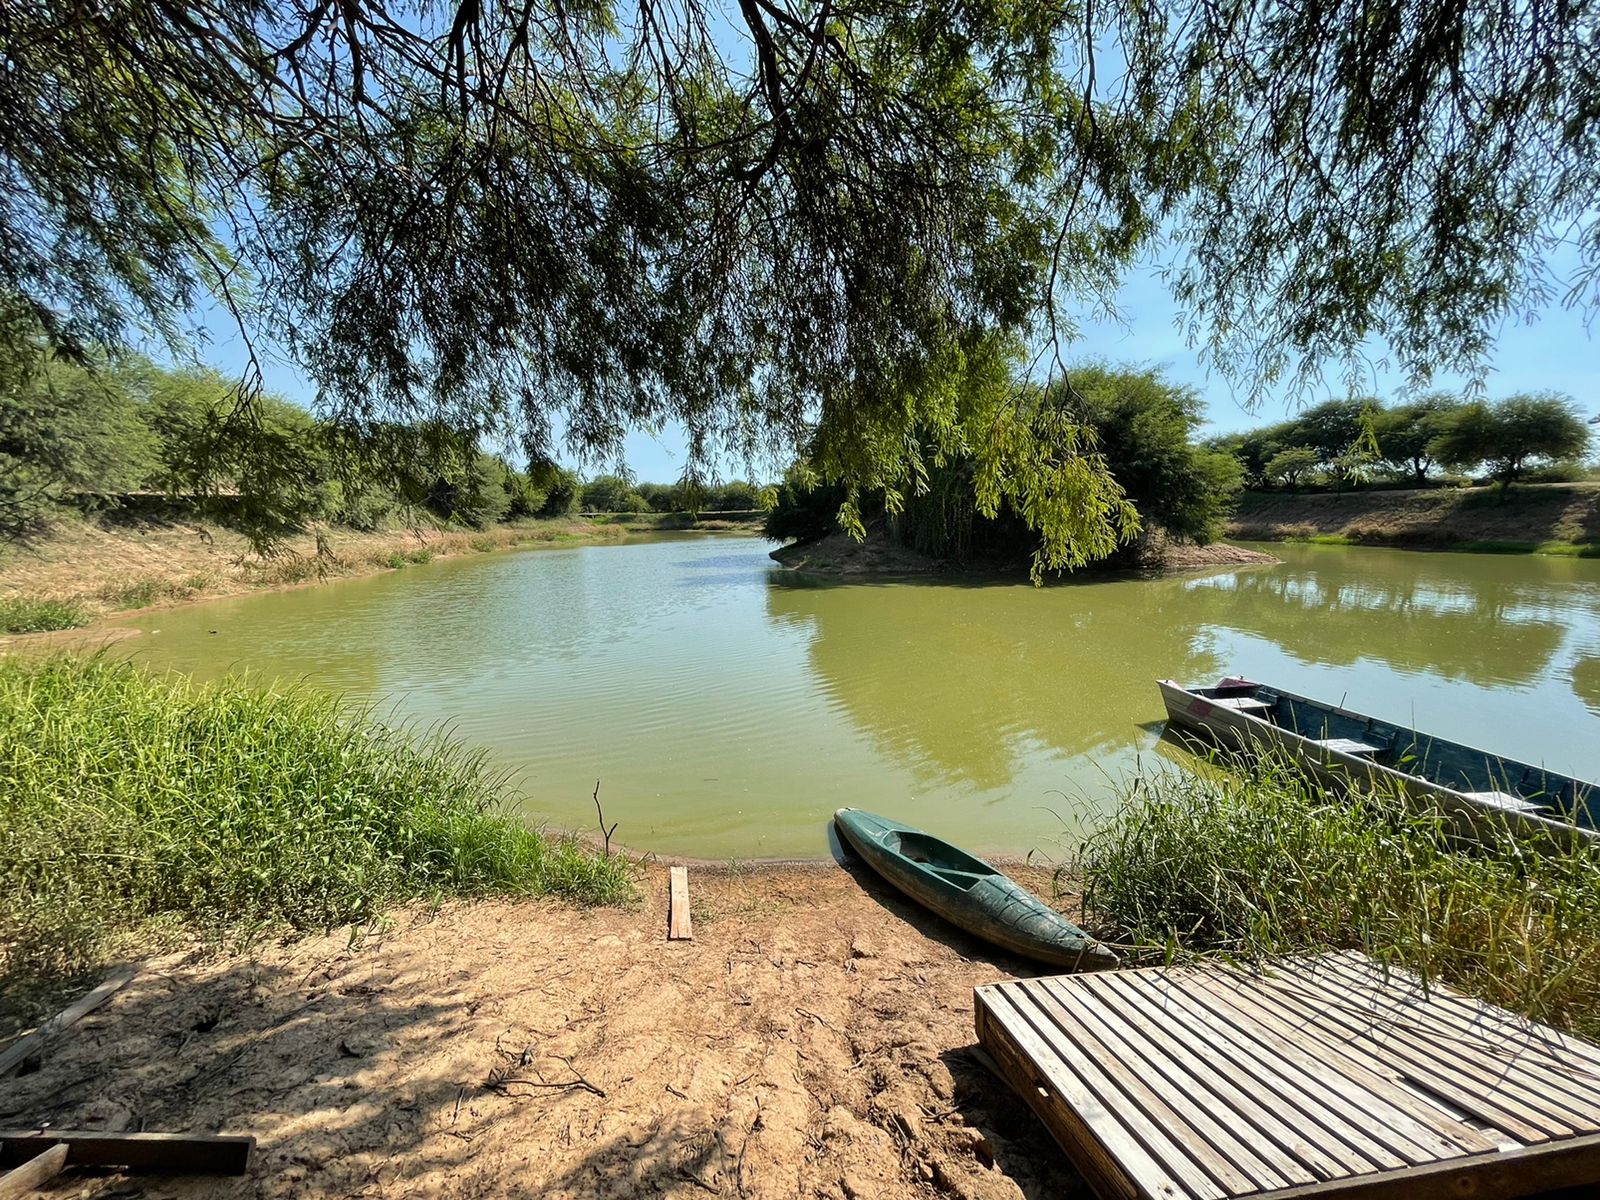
1449,764
951,864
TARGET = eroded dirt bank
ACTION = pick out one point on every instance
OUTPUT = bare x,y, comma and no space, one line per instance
1530,514
811,1041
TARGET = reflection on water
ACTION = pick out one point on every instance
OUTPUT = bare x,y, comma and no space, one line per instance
729,707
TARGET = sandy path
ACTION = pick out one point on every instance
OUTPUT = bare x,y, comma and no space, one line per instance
811,1041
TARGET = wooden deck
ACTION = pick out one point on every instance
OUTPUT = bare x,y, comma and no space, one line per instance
1322,1077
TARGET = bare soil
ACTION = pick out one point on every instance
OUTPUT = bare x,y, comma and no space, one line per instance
839,554
118,564
1440,517
812,1040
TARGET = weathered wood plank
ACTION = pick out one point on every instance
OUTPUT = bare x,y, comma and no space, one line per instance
1413,1128
1233,1052
1568,1062
29,1044
1318,1080
1224,1096
1193,1132
679,925
1507,1175
1433,1057
1076,1116
33,1174
1342,1094
174,1153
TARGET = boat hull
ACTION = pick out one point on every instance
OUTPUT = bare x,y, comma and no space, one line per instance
968,892
1475,815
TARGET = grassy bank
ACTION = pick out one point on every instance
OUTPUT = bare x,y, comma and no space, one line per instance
1271,864
1562,519
136,807
88,569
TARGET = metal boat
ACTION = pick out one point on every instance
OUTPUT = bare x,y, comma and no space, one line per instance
1478,790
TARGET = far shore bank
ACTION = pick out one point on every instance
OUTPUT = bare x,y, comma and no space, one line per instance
838,554
95,568
1556,519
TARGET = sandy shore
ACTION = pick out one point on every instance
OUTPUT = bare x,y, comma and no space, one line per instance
812,1040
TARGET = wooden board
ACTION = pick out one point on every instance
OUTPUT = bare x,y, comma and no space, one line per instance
33,1174
173,1153
29,1044
1324,1077
679,926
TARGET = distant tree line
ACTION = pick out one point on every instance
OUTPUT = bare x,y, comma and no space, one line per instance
73,438
1360,440
614,494
1131,423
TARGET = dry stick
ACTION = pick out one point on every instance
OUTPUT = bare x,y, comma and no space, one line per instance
27,1046
606,833
35,1173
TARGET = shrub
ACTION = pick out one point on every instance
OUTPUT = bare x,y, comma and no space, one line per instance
133,799
1269,863
23,614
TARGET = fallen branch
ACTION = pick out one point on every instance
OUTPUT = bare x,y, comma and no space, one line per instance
503,1082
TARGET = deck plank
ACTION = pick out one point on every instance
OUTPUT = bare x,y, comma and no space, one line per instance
1505,1032
1319,1078
1230,1162
1346,1086
1321,1162
1486,1092
1116,1159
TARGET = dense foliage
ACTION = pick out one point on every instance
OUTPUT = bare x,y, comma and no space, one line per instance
132,799
1135,427
1358,440
782,223
72,437
1271,863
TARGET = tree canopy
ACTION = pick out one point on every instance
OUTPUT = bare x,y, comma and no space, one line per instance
1509,434
786,223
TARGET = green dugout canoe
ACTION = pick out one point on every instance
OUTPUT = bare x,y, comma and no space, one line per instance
968,892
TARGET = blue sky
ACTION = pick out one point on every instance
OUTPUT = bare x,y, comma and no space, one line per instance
1555,351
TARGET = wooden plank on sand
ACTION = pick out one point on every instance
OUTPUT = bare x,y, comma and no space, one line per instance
28,1045
33,1174
173,1153
679,927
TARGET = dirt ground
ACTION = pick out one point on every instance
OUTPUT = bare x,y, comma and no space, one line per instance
1530,513
840,554
812,1040
106,562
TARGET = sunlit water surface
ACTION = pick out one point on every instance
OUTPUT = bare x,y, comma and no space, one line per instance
728,707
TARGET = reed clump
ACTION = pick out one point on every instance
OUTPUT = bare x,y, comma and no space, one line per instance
1269,864
134,806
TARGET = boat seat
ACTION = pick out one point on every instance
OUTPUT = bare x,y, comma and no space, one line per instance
1346,745
1504,800
1239,703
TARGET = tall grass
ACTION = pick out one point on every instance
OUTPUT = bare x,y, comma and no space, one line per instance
1271,864
24,614
131,802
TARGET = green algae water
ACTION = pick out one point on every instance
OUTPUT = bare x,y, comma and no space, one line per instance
727,706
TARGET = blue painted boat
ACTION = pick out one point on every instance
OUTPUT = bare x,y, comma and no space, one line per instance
1483,793
968,892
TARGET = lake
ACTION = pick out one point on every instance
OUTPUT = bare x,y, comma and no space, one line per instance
727,706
